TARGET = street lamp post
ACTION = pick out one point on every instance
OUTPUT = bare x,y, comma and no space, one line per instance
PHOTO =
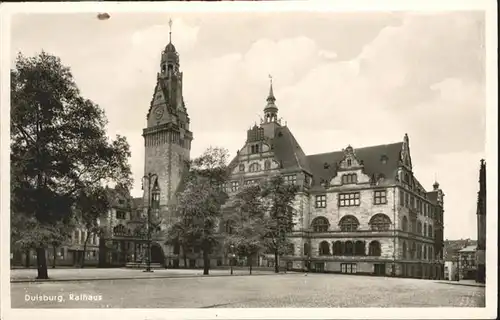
232,258
149,178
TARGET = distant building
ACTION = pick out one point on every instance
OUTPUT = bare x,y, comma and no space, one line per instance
452,250
467,267
481,225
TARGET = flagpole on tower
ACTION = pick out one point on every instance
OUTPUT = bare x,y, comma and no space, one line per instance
170,32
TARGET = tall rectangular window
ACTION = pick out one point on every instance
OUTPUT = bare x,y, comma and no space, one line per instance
321,201
291,179
407,200
348,267
380,197
234,186
349,199
401,197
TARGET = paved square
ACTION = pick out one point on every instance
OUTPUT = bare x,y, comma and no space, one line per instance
256,291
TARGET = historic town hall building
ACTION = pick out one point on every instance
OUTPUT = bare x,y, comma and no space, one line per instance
359,210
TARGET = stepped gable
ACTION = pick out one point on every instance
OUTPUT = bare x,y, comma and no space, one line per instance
324,165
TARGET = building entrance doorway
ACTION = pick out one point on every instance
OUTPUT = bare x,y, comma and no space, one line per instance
157,255
379,269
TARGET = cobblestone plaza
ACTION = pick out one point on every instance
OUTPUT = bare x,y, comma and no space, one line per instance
244,291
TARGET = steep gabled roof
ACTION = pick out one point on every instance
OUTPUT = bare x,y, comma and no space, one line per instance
324,165
288,151
432,196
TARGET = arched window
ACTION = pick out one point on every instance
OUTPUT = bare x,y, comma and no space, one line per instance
431,253
254,167
306,249
267,165
405,250
337,248
119,230
425,252
407,178
320,224
419,227
359,248
380,222
405,224
349,224
349,248
425,229
374,249
324,248
431,235
419,251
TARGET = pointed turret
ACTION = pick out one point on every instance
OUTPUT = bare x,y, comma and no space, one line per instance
271,110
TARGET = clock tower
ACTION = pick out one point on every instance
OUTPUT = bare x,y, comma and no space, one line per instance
167,139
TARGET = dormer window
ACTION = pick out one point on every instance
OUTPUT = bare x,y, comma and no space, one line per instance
254,148
349,178
242,167
349,162
383,159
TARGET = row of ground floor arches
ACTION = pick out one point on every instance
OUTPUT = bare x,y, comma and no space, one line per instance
348,248
417,270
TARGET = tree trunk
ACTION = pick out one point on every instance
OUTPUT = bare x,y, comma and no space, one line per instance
85,249
54,251
206,261
28,258
250,263
41,263
184,256
276,262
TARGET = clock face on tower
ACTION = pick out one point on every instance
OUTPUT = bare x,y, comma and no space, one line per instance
158,111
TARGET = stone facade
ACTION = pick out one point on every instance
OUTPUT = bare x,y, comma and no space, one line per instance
358,210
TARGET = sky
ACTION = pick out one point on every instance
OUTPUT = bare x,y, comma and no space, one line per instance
339,78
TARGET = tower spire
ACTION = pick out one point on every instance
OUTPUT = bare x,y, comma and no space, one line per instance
170,30
271,111
270,97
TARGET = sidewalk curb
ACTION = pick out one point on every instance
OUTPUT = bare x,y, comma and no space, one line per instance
141,278
463,284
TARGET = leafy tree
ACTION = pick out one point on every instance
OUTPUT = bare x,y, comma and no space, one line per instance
198,206
180,236
62,236
278,197
58,148
91,205
246,223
